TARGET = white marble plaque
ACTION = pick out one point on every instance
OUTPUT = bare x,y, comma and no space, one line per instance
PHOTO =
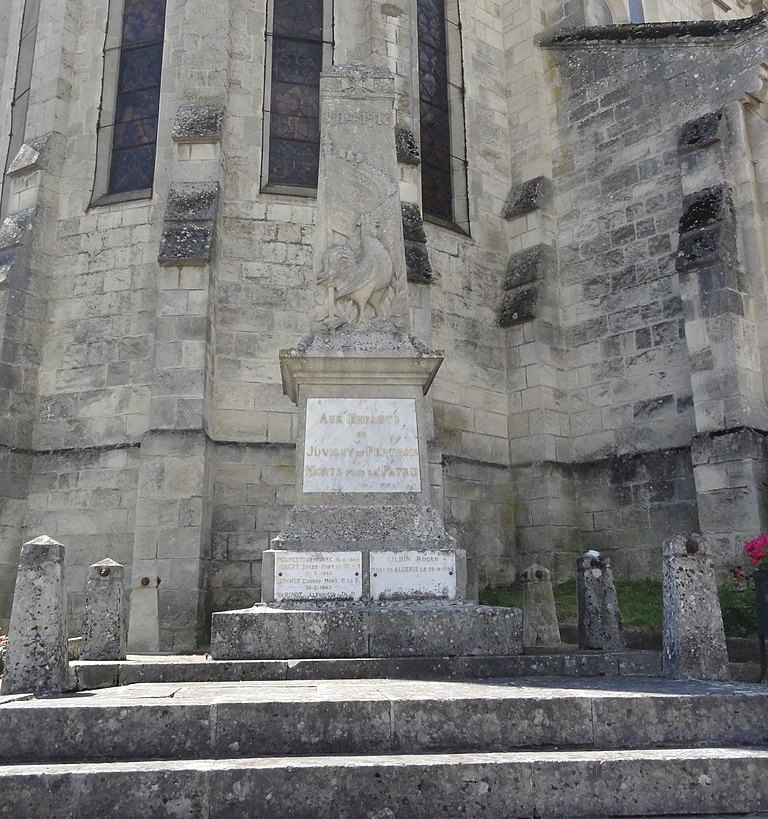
318,575
361,445
413,574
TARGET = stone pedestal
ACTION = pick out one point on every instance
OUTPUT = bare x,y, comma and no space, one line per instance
36,661
540,626
600,625
363,566
694,638
104,629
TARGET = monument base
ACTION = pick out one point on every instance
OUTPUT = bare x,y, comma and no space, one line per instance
317,631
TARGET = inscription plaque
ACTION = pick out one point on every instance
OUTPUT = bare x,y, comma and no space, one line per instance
361,445
318,575
413,574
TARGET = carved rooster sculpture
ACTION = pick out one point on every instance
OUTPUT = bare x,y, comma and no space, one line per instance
364,280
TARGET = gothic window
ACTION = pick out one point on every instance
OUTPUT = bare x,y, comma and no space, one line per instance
441,108
298,48
636,14
133,61
20,101
134,134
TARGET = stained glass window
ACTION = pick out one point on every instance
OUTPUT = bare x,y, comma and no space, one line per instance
134,134
294,109
436,187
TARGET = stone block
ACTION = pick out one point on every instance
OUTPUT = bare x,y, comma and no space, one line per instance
186,244
702,131
539,614
407,147
392,630
192,203
37,659
266,633
694,638
518,306
104,626
527,197
198,123
529,265
600,626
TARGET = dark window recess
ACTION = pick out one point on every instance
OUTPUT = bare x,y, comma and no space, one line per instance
134,135
436,187
294,115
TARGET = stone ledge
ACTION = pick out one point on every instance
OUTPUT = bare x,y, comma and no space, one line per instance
685,30
416,630
526,197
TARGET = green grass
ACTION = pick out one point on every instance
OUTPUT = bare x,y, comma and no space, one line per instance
641,605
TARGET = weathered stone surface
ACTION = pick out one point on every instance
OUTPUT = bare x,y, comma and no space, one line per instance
413,224
192,203
359,263
694,638
417,263
104,625
594,783
526,197
529,265
390,630
186,244
539,614
369,527
31,156
600,624
702,131
520,305
16,227
36,659
406,146
198,123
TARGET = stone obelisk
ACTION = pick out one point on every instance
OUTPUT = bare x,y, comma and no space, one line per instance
363,565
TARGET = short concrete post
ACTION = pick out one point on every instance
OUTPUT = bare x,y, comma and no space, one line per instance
694,638
36,658
600,625
539,615
104,620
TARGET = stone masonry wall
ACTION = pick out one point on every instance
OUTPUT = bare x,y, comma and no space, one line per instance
120,354
635,400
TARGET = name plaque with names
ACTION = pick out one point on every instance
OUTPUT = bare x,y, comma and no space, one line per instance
361,445
318,575
413,574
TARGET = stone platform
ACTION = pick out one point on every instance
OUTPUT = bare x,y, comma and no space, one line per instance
303,631
388,748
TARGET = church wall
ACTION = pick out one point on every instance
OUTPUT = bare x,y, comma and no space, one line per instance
645,337
130,350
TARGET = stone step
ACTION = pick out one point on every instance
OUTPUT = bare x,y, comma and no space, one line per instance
567,662
220,720
495,786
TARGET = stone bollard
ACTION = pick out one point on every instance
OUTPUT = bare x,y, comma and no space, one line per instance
104,621
694,638
539,615
599,615
36,658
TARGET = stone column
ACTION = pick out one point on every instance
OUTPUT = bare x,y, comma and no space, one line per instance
104,621
539,615
36,659
600,626
169,598
694,638
721,284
